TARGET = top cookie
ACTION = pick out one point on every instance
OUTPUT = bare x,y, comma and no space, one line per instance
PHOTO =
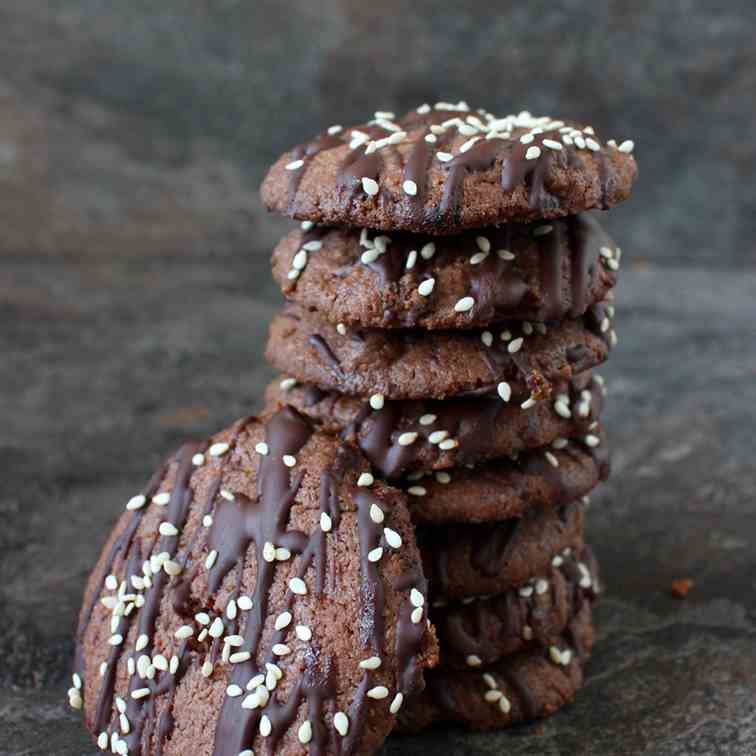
446,168
263,595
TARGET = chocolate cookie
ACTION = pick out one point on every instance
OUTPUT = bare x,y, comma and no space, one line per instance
516,359
445,168
540,272
416,435
261,594
519,688
505,488
463,561
478,633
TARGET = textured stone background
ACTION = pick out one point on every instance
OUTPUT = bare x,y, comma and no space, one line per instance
134,296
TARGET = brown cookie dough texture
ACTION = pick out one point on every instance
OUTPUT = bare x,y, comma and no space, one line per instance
442,169
540,272
465,561
516,359
525,686
261,594
418,435
480,632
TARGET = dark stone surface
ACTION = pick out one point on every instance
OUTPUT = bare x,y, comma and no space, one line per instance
134,297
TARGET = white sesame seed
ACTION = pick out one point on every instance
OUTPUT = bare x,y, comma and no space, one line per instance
102,741
393,539
532,153
184,632
504,390
168,529
207,520
365,480
551,459
261,447
449,443
341,329
372,663
111,582
303,632
428,250
473,660
370,186
410,187
528,403
444,157
376,514
505,705
483,244
289,460
552,144
396,704
592,441
627,146
298,586
426,287
294,165
417,615
136,502
541,586
234,640
378,692
217,628
464,304
341,723
478,258
411,259
562,409
370,256
406,439
374,555
140,693
161,499
468,144
417,491
505,254
283,620
281,649
592,145
492,696
116,640
377,401
304,733
293,274
265,726
216,450
526,138
299,262
247,752
487,338
542,230
515,345
325,522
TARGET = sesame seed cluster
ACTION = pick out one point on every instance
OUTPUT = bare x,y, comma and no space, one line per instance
450,294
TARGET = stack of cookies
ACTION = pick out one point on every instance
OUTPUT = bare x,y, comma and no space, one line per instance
398,538
449,296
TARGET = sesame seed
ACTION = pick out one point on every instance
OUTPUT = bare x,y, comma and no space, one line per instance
161,499
140,693
627,146
377,401
411,259
505,254
168,529
527,632
341,329
562,409
542,230
490,681
136,502
372,663
376,514
217,628
504,704
299,262
298,586
231,610
289,460
234,640
504,390
410,187
417,491
374,555
227,495
528,403
592,145
552,144
428,419
487,338
492,696
406,439
464,304
515,345
378,693
592,441
551,459
473,660
265,726
207,520
417,615
426,287
304,733
216,450
292,274
142,642
532,153
483,244
443,477
526,138
559,443
341,723
283,620
444,157
449,443
294,165
116,640
393,539
303,632
184,632
281,649
396,704
468,144
247,752
428,250
478,258
541,586
111,583
325,522
370,186
261,447
370,256
365,479
102,741
244,603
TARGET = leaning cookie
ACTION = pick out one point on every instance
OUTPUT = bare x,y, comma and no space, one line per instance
446,168
520,688
518,360
480,632
466,561
262,594
539,272
416,435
